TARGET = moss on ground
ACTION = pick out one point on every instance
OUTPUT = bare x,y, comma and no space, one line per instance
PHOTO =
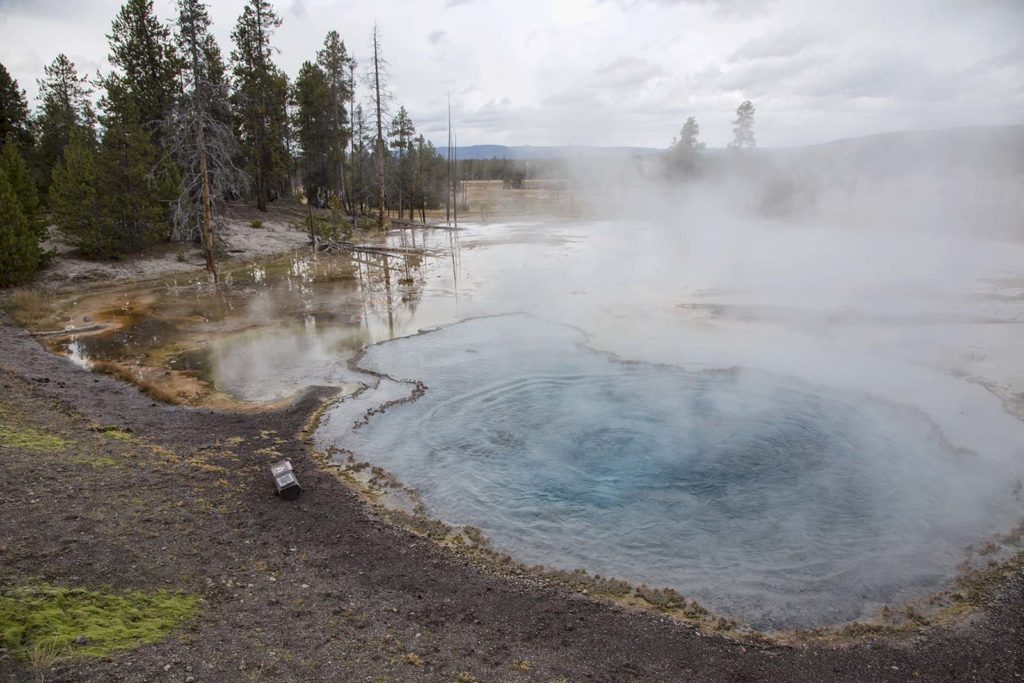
70,623
97,463
30,439
118,434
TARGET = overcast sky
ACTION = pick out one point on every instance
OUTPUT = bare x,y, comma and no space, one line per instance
626,72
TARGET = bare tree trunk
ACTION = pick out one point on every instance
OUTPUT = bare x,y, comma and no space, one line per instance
380,133
262,166
352,136
211,265
455,180
448,164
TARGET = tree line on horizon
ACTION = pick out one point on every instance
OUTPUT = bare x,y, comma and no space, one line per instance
180,130
684,152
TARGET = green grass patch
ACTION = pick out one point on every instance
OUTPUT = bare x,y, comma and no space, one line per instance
67,623
30,439
115,433
100,462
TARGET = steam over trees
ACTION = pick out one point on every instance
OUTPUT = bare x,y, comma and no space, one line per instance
743,127
684,149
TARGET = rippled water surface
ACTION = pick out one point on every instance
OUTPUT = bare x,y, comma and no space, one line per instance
765,498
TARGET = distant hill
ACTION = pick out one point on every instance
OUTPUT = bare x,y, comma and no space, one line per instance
555,152
969,141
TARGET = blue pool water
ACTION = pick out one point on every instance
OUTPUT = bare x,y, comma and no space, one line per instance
764,498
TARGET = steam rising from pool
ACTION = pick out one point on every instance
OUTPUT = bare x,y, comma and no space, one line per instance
765,498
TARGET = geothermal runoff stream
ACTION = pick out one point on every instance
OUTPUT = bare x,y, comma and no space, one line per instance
797,434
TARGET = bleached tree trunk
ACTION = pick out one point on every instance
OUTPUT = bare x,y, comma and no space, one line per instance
211,264
380,131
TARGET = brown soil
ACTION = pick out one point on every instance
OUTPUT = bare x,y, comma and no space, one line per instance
320,589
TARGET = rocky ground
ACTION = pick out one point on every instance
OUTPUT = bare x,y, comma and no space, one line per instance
319,589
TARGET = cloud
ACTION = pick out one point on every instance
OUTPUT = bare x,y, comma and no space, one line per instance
297,10
626,71
55,8
785,43
879,75
719,7
768,75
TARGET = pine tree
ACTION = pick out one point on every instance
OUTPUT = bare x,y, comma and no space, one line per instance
683,152
260,98
13,166
743,127
135,181
145,61
136,184
19,245
361,161
337,66
74,199
313,125
65,111
14,120
402,132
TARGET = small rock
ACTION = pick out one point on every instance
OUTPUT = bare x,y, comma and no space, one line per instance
190,679
81,640
167,667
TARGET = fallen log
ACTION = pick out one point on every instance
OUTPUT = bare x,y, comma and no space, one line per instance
393,252
69,331
421,226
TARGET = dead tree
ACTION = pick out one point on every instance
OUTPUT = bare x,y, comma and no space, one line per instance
448,165
199,134
379,108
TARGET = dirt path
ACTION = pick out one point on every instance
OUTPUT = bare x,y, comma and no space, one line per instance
319,590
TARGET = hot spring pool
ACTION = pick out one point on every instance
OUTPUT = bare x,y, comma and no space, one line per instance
766,499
